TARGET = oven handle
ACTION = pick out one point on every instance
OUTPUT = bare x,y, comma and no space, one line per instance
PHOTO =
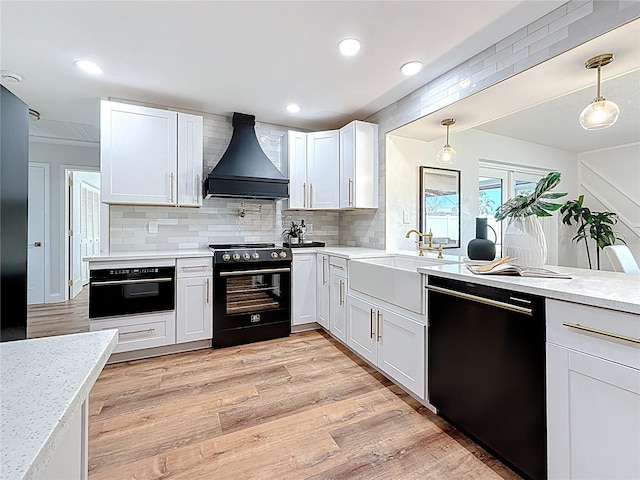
240,273
127,282
475,298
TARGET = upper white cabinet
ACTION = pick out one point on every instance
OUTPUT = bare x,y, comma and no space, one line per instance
149,156
359,165
313,170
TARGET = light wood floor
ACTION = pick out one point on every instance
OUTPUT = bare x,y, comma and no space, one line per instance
294,408
47,319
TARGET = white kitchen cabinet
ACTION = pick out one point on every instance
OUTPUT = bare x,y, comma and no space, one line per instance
303,278
149,156
593,393
337,298
194,296
359,165
390,341
140,331
314,170
322,290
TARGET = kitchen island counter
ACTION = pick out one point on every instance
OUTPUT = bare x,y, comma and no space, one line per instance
45,384
611,290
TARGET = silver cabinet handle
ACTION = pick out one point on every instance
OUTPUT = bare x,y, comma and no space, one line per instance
577,326
207,287
311,195
337,266
341,292
371,321
171,181
350,192
128,282
379,330
304,195
485,301
196,191
148,330
194,266
324,270
240,273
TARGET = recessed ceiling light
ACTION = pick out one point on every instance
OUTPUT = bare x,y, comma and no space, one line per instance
293,108
89,67
411,68
349,47
11,76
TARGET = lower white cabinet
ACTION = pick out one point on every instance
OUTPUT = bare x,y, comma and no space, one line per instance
194,297
338,298
140,331
322,290
391,341
303,288
194,310
593,393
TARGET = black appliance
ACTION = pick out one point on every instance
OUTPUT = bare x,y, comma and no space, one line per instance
245,170
486,368
14,189
251,293
129,291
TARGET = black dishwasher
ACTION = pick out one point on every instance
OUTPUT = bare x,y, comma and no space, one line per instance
486,368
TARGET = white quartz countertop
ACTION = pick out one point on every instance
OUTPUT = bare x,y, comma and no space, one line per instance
342,251
615,291
43,383
149,255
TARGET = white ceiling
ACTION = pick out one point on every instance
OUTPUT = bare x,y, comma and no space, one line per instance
542,105
251,57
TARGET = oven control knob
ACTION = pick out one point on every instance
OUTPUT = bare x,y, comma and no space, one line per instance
255,256
236,256
274,254
226,257
246,256
283,254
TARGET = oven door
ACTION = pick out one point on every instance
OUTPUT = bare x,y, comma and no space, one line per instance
252,295
111,295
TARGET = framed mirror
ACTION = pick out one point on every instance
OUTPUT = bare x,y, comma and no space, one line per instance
440,205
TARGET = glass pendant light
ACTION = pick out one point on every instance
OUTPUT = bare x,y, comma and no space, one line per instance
447,154
600,113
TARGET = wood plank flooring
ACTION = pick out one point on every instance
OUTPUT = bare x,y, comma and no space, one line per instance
293,408
47,319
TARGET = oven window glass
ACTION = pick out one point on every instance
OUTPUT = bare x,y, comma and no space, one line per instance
254,293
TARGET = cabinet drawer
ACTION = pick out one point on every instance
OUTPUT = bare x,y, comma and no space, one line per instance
338,266
194,267
610,322
140,331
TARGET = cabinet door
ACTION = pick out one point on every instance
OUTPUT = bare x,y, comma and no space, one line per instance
362,334
347,164
322,285
592,417
401,350
194,313
138,154
359,165
189,182
323,173
337,307
303,288
298,187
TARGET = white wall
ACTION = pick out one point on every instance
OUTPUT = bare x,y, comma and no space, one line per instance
60,156
404,156
610,181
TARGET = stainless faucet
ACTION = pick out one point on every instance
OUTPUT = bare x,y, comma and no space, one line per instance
419,242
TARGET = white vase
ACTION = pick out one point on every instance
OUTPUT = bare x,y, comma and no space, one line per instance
524,239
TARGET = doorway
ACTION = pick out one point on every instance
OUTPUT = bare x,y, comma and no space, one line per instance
83,220
38,249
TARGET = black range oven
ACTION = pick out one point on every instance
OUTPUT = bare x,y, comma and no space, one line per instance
131,290
251,293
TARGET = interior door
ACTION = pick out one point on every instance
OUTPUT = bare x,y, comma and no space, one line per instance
75,234
36,262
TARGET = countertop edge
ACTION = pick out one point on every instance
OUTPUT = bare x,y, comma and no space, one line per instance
502,282
75,403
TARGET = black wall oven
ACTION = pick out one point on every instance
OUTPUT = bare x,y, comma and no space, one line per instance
252,295
131,290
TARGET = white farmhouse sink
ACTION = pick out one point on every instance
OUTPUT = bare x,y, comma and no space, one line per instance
394,279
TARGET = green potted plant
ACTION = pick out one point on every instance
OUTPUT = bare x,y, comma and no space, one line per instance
523,238
595,225
292,233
